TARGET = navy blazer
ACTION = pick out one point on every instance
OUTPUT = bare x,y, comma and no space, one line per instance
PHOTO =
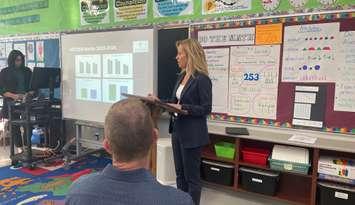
196,99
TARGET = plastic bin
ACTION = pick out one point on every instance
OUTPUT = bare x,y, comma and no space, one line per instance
218,173
333,194
255,155
286,166
259,181
225,150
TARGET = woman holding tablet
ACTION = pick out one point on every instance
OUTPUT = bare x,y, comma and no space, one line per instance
192,93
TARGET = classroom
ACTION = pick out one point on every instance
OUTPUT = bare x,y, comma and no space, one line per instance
177,102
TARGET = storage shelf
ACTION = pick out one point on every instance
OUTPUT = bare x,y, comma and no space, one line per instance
279,197
241,163
209,153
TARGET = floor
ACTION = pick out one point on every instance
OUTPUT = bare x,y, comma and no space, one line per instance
217,196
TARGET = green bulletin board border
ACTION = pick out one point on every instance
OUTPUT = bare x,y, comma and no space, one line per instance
36,16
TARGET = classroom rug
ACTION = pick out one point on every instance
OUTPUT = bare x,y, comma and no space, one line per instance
46,185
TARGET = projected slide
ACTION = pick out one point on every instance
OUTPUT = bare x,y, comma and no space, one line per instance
117,65
88,89
88,66
99,67
113,89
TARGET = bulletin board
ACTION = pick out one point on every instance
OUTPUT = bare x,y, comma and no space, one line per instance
39,50
294,71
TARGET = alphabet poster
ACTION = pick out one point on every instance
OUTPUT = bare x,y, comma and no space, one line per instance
310,53
253,81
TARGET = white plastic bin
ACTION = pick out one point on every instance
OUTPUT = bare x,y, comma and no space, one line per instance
165,162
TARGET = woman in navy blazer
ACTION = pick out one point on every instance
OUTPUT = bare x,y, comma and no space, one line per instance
193,93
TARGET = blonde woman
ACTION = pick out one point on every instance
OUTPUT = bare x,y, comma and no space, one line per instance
193,93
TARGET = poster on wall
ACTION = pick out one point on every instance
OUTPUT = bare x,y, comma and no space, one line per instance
20,47
40,51
30,51
344,99
310,53
218,68
130,9
167,8
8,48
220,6
94,12
270,5
3,50
253,81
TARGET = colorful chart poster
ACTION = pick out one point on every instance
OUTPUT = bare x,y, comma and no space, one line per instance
40,51
268,34
218,68
130,9
310,53
94,12
253,81
166,8
345,84
30,51
220,6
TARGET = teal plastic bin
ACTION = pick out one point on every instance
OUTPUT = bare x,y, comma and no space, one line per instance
285,166
225,150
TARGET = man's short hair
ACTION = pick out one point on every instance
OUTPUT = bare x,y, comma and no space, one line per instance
129,130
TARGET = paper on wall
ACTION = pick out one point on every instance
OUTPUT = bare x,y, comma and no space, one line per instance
302,111
344,99
218,64
305,97
253,81
310,52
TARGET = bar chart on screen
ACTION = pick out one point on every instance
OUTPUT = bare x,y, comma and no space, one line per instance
88,66
88,89
113,89
117,65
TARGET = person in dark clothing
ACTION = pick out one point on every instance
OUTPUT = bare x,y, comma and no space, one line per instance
14,83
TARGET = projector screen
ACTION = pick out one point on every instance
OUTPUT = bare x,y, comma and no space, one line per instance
99,67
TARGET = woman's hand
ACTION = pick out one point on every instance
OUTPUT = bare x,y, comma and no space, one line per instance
153,98
177,106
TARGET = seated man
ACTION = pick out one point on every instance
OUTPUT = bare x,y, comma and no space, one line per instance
129,134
